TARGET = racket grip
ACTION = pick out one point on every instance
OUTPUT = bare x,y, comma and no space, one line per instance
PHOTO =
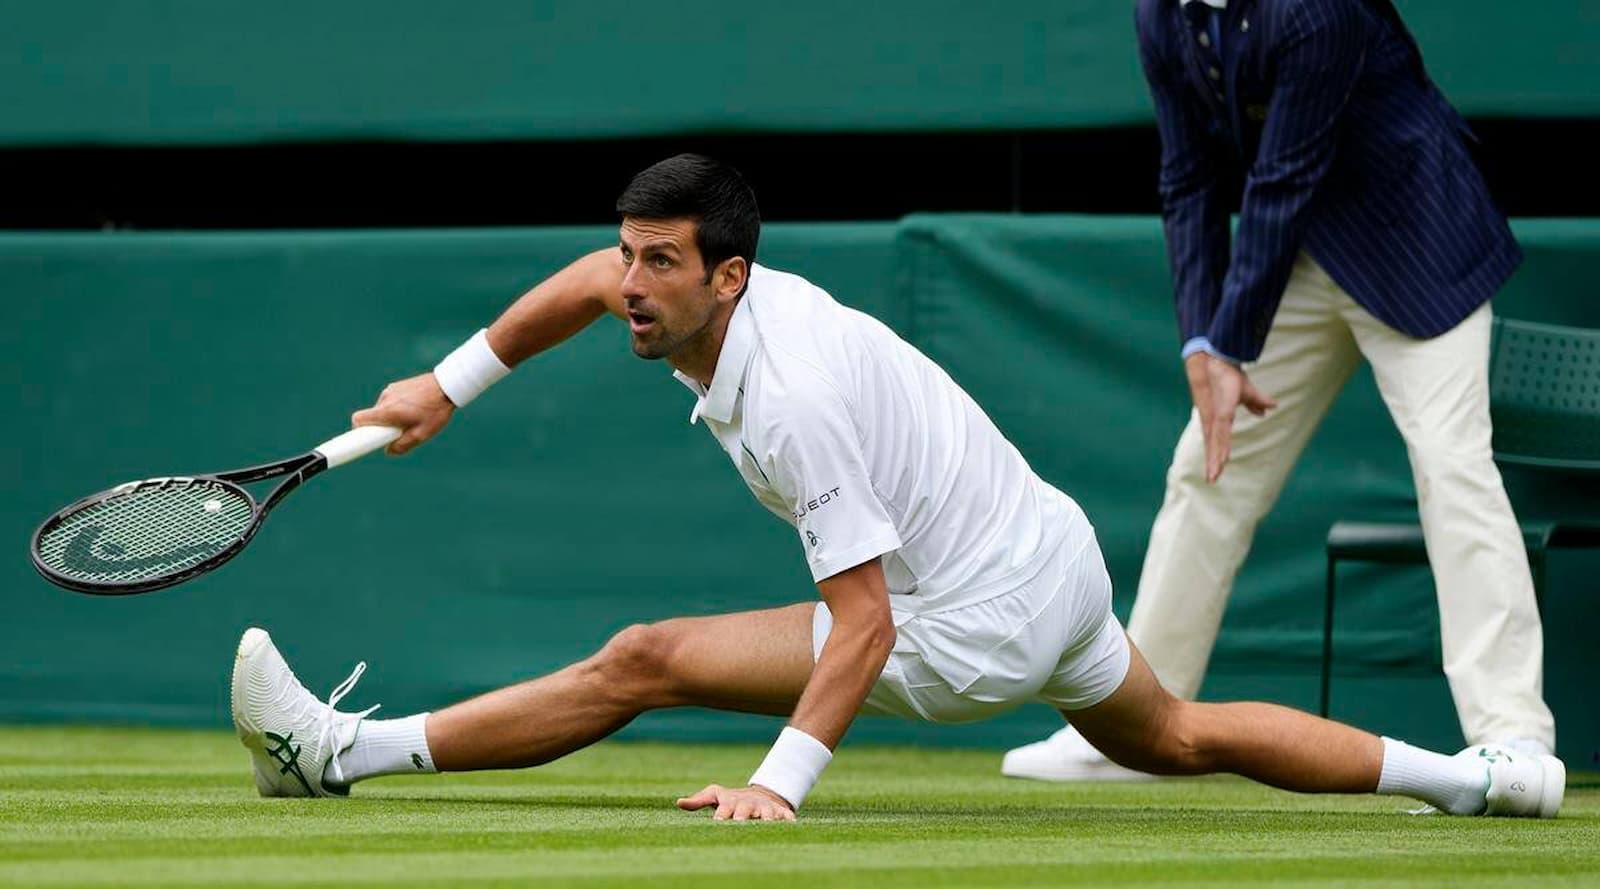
358,442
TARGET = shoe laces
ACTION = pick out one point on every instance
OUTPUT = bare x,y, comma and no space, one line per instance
328,735
343,688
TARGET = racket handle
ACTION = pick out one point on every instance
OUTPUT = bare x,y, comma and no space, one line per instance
358,442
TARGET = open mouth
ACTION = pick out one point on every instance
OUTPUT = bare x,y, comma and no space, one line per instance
639,322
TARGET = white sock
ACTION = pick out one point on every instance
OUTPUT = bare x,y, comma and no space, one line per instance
1453,785
388,747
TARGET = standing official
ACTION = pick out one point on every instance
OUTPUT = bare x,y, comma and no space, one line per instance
1365,231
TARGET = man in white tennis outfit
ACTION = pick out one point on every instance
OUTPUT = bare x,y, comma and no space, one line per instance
955,583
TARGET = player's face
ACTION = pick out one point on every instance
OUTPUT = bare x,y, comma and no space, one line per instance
671,300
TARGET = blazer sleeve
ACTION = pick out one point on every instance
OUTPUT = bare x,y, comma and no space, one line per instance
1194,213
1318,52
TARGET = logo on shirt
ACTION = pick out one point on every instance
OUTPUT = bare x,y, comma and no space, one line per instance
816,503
812,538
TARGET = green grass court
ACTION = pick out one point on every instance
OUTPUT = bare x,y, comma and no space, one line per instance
104,807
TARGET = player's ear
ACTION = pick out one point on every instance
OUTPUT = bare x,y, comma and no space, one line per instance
729,278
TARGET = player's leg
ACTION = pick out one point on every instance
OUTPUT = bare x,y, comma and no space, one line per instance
1143,726
1106,689
1437,390
756,661
1203,531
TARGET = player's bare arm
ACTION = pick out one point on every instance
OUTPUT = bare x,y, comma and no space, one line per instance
863,634
559,307
851,660
551,312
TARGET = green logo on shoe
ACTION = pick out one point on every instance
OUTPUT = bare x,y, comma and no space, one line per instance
288,756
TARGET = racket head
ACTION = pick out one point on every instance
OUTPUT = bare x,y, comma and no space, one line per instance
145,535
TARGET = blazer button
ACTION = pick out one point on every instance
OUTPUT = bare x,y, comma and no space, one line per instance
1205,39
1214,73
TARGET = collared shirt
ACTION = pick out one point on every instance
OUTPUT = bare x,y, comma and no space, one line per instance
868,449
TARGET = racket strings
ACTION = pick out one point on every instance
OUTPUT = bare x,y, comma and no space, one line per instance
152,531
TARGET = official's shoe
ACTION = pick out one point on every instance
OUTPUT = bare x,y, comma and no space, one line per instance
294,739
1521,785
1065,756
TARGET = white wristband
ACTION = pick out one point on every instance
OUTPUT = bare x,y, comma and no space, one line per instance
794,763
470,369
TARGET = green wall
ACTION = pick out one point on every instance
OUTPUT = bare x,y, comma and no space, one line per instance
162,72
575,498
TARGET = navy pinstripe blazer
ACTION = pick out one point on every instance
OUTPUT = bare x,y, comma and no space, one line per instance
1349,152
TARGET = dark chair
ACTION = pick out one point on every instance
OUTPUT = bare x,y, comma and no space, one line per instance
1544,401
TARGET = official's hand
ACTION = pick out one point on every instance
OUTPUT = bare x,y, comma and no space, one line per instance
416,406
1195,369
753,803
1219,388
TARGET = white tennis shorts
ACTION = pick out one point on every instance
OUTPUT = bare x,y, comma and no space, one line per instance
1052,638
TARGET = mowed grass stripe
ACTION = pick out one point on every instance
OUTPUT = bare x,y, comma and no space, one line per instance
105,807
955,864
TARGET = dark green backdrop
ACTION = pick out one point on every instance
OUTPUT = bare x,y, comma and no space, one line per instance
575,498
185,71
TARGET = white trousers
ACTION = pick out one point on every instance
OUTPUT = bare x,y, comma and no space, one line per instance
1437,391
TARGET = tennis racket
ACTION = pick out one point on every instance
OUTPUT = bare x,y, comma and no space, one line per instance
149,534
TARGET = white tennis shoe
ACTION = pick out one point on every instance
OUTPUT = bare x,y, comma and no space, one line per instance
1521,785
294,739
1065,756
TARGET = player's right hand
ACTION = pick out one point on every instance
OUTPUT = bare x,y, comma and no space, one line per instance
753,803
416,406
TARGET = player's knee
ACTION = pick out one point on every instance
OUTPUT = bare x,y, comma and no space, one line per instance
1181,748
1169,745
637,655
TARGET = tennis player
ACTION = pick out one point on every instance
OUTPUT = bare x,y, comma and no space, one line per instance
955,584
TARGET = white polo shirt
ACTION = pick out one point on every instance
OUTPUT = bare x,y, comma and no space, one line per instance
869,449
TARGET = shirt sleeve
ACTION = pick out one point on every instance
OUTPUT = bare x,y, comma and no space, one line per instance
1194,213
1319,55
816,462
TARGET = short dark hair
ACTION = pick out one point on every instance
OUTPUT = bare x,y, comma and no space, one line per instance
710,192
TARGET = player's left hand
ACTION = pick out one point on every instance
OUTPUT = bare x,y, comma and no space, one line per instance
740,803
1229,389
